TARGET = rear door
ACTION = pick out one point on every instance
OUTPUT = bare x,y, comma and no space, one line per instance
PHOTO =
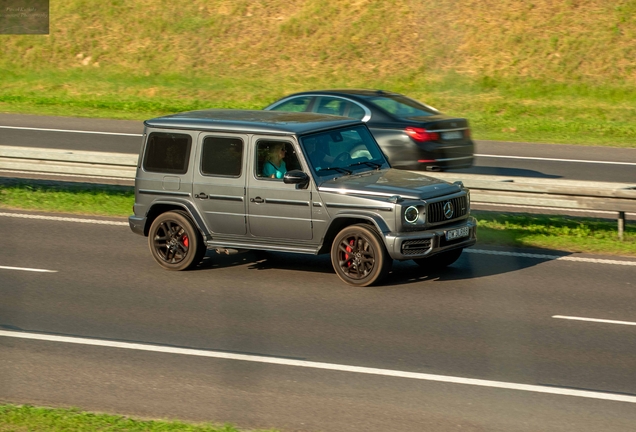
219,182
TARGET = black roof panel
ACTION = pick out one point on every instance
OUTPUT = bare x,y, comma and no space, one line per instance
250,121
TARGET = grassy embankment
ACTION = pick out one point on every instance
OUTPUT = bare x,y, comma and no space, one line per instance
28,418
554,72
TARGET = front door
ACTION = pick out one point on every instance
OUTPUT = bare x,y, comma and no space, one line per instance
276,209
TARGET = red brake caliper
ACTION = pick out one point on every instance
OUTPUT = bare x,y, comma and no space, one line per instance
349,249
186,242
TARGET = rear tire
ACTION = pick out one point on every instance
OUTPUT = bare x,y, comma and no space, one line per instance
174,241
359,257
441,260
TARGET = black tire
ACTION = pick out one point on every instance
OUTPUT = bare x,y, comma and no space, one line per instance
174,241
441,260
359,257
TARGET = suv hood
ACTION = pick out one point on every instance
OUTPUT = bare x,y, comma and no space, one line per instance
387,183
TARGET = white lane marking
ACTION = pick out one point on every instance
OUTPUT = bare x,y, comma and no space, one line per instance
71,131
325,366
64,219
28,269
605,321
551,257
69,175
555,159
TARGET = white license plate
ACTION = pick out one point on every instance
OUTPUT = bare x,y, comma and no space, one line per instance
457,233
452,135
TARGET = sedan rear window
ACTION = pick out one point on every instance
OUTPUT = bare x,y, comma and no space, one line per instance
402,107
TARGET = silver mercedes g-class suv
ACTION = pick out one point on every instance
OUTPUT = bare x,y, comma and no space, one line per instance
232,180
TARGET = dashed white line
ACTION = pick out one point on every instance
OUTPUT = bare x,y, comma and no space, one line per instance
551,257
596,320
589,394
28,269
71,131
555,159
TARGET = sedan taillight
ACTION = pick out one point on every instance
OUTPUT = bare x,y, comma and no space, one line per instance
421,134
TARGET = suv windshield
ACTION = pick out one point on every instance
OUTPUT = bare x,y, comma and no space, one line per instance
402,106
342,152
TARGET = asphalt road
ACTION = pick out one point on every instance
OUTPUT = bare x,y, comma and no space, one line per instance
492,158
87,319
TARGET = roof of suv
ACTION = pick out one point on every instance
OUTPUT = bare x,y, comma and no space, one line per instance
250,121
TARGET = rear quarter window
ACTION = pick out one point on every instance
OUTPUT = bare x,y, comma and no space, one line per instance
167,153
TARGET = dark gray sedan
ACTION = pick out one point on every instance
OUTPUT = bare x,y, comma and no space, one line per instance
411,134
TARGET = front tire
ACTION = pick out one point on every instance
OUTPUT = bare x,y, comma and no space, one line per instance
174,241
441,260
359,257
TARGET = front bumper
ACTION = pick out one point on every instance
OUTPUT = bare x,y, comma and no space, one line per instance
420,244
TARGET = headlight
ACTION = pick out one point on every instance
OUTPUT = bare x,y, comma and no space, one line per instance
411,214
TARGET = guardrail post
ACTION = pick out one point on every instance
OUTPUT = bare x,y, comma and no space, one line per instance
621,225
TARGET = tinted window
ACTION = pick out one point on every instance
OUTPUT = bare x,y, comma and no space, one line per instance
167,153
401,106
299,104
330,105
222,156
356,112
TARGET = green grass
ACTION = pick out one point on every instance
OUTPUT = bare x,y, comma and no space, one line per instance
17,418
503,109
570,234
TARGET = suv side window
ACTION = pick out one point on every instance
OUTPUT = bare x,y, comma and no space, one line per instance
266,154
222,156
167,153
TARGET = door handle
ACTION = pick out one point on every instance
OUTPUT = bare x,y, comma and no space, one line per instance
201,195
258,200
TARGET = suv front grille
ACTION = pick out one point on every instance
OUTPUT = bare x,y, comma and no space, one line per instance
436,209
416,247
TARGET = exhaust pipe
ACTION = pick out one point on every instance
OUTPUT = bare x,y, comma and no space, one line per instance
434,168
227,251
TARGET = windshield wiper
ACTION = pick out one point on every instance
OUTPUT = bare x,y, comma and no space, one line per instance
371,164
342,170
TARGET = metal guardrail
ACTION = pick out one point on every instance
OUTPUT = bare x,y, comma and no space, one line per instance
526,191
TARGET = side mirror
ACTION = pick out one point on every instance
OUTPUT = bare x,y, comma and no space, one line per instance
296,177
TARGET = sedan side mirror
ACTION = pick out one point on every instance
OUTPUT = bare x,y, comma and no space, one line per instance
296,177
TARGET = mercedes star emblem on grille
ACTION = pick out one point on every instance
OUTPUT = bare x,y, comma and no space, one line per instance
448,210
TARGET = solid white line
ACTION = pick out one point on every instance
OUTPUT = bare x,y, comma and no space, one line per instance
543,208
555,159
71,131
325,366
595,320
551,257
64,219
68,175
28,269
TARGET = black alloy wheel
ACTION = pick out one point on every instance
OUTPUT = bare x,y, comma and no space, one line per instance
174,241
359,257
441,260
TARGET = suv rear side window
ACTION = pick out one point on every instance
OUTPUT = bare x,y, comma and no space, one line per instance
167,153
222,156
